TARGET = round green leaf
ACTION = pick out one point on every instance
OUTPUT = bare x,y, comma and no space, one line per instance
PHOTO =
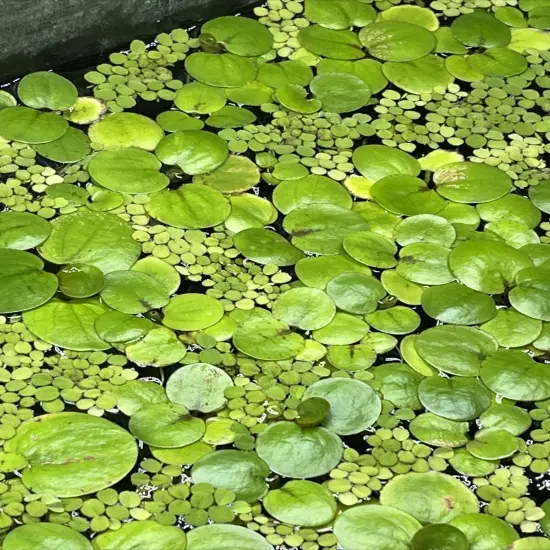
133,292
371,249
231,117
58,447
512,329
456,304
116,327
487,266
276,75
471,182
515,375
262,336
253,94
480,29
131,171
334,44
456,350
46,536
351,358
95,238
493,444
344,329
44,90
439,537
295,98
404,290
199,387
430,497
321,228
375,527
354,406
465,463
266,247
174,121
394,320
73,146
301,503
379,161
192,312
531,296
194,151
422,17
292,194
355,292
22,230
121,130
166,425
368,70
425,264
425,228
239,471
421,76
439,432
539,195
340,92
224,70
506,417
406,195
30,126
454,398
226,537
339,15
160,270
69,325
295,452
240,35
80,280
513,208
159,348
484,531
235,175
196,97
249,211
498,62
192,206
305,308
318,271
150,534
136,394
397,40
398,383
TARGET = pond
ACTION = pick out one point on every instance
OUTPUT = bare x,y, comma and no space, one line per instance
281,280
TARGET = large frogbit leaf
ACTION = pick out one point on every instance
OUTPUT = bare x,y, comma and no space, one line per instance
96,238
59,447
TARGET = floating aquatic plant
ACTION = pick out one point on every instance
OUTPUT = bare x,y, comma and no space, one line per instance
304,303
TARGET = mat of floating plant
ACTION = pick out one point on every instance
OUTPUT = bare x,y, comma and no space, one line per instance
282,281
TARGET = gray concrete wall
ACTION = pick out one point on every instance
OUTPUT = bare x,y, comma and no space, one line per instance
39,34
